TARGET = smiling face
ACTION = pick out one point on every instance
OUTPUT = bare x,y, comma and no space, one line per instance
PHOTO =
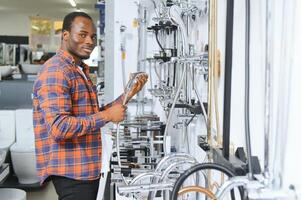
81,39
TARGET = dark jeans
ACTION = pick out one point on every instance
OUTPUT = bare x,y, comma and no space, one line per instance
69,189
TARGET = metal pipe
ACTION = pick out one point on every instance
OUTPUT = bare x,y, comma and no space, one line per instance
189,59
216,107
202,104
144,188
155,8
268,111
247,90
211,64
151,83
175,15
117,145
199,189
171,110
171,158
172,166
228,78
185,159
123,53
144,175
230,185
213,68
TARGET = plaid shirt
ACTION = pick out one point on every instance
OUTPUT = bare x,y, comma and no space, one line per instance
67,121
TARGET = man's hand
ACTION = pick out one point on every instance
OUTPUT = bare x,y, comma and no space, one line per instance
142,79
115,114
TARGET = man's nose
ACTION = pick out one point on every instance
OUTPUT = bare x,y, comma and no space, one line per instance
89,40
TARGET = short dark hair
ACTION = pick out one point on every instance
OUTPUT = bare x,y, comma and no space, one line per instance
68,19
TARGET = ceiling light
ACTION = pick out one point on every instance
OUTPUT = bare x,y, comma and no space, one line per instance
35,27
73,3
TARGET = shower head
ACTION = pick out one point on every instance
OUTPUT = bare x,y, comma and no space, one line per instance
134,77
133,80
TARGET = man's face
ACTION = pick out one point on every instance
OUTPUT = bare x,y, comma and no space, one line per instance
81,39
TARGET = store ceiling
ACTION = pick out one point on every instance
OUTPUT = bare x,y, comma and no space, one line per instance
53,9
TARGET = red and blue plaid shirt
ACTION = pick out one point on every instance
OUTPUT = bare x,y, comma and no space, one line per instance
67,120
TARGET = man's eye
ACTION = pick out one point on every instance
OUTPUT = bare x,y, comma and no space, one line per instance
82,35
94,37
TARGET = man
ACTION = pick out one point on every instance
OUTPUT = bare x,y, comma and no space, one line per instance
67,117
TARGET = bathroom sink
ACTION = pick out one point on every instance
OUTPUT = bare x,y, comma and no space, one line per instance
6,70
31,68
2,156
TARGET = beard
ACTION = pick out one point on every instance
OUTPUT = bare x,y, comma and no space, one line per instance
84,57
81,56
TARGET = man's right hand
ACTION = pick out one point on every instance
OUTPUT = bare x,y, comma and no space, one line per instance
115,114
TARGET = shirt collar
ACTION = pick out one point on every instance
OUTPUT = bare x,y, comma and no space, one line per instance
69,58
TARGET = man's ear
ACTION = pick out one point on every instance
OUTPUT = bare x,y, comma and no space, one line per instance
65,35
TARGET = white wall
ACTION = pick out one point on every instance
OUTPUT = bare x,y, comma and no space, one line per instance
119,13
292,163
14,24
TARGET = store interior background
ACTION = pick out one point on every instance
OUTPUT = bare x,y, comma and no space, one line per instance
14,21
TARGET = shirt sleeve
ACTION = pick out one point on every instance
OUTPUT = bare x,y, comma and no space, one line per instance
56,104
